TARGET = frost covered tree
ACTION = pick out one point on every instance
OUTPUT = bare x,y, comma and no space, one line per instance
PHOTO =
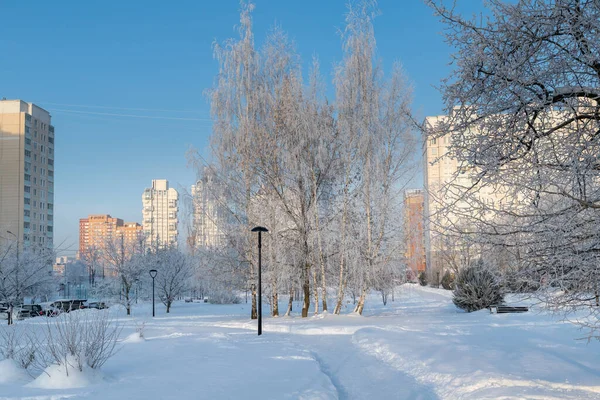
127,263
24,271
373,115
174,273
524,115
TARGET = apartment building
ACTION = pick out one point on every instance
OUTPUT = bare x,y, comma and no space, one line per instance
160,204
414,232
26,173
445,185
96,231
208,216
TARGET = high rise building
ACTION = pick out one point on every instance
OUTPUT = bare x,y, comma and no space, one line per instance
160,206
208,218
26,173
414,232
445,200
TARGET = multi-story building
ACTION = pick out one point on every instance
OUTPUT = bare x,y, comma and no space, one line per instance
26,173
445,200
159,213
208,218
96,231
415,235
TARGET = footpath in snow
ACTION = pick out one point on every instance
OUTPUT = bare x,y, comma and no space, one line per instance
417,347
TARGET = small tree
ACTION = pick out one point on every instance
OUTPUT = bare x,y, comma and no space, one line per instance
448,280
422,278
174,273
477,287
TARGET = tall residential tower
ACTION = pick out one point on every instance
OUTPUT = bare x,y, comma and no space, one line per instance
160,206
26,173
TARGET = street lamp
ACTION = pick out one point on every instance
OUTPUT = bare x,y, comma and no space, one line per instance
153,273
260,230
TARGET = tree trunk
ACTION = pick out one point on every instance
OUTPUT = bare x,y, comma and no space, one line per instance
169,306
306,290
254,314
316,290
290,301
361,302
275,303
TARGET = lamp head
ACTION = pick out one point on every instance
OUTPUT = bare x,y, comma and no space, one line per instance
260,229
153,273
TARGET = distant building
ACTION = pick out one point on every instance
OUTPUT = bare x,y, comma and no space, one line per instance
96,231
208,216
414,232
160,206
27,173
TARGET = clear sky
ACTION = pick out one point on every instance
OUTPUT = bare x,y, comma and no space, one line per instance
96,65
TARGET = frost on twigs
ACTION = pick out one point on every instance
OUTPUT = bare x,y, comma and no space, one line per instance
476,288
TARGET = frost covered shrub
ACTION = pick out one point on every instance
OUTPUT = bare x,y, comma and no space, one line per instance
448,280
477,287
223,297
74,339
422,278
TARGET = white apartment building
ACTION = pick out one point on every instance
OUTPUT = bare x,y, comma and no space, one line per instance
444,186
159,212
26,174
208,218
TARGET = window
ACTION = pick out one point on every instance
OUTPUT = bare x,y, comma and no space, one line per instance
27,177
27,201
51,140
434,152
26,225
433,141
27,166
34,180
27,141
27,153
27,189
34,134
34,168
35,157
34,204
34,215
49,229
50,161
51,174
26,213
50,206
35,192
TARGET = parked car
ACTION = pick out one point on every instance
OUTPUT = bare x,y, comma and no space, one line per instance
98,305
34,309
69,305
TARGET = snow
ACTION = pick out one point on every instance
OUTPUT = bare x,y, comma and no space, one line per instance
66,376
417,347
11,372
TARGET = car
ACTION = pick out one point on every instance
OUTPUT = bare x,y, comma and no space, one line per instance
34,309
69,305
98,305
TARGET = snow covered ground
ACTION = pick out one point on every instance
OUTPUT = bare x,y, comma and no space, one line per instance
418,347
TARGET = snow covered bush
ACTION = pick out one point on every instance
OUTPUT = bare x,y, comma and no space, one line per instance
422,278
477,287
22,346
82,338
448,280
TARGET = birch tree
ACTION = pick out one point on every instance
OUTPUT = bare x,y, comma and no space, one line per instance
173,277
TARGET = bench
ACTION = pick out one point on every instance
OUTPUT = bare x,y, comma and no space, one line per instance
507,309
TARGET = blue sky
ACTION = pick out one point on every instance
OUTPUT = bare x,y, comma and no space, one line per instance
89,63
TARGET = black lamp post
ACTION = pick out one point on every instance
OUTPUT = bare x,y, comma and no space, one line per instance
260,230
153,273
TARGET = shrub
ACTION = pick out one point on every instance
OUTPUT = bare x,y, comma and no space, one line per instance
448,280
422,278
477,287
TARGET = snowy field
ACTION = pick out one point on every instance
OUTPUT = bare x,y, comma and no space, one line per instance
418,347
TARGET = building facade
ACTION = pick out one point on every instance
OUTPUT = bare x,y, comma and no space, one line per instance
96,231
445,200
27,173
159,212
208,218
414,232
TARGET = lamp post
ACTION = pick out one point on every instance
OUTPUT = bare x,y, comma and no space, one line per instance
153,273
260,230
